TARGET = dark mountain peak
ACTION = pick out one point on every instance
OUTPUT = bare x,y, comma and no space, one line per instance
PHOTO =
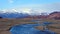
55,12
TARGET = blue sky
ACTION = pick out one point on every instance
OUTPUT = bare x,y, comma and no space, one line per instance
42,5
18,3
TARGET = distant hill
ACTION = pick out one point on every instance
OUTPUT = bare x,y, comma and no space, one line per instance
54,15
13,15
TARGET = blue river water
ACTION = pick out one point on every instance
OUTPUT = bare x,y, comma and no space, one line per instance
28,29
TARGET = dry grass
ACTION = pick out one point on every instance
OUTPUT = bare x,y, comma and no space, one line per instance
5,24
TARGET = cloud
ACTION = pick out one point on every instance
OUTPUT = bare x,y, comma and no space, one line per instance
37,8
10,1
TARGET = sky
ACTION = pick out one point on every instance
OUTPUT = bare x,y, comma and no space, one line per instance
30,6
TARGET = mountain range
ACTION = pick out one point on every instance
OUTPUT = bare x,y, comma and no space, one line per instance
13,15
53,15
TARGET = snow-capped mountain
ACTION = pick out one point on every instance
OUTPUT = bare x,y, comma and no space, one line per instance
18,14
13,15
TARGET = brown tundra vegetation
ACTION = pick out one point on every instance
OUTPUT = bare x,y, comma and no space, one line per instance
54,17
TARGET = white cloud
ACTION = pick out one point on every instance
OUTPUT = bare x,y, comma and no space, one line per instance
14,10
37,9
10,1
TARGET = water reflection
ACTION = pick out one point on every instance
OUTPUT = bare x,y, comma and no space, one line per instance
28,29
